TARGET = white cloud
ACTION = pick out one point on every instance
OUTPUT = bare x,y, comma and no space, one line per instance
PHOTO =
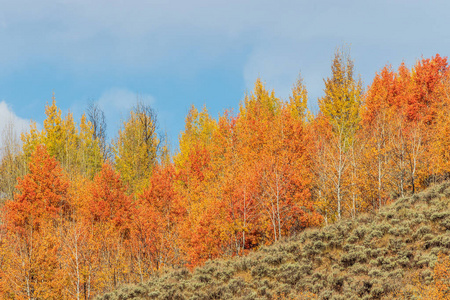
8,117
11,126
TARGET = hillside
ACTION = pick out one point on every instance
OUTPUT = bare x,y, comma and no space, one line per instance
380,256
82,216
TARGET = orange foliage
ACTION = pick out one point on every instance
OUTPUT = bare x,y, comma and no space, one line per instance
245,180
32,221
154,234
439,289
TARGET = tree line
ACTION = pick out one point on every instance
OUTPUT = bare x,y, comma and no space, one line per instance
81,216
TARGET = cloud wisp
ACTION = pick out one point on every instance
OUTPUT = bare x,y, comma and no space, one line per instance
11,126
9,118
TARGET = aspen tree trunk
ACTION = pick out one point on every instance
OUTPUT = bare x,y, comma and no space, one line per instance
353,182
340,171
414,153
245,220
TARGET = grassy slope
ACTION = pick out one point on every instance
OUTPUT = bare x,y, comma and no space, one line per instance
374,257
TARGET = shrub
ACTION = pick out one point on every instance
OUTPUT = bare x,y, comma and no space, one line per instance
401,206
439,215
395,221
319,246
375,233
396,245
396,274
242,264
428,237
446,192
316,288
426,260
442,187
384,227
224,274
261,270
364,287
377,292
274,259
153,294
427,276
419,219
336,281
390,214
310,251
375,273
437,242
351,258
365,218
404,230
203,278
317,276
422,231
359,269
352,239
290,273
314,235
326,295
429,195
236,284
445,223
403,261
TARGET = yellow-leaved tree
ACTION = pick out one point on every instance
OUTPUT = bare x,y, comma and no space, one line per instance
75,148
298,101
340,108
136,148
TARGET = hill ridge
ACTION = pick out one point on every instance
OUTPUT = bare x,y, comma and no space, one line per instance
387,255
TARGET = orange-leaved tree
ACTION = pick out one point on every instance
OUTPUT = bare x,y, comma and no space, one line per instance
32,221
155,223
109,214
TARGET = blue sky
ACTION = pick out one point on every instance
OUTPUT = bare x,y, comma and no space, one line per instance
172,54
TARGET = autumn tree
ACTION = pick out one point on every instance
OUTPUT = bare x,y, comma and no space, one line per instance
400,116
254,126
79,250
298,101
341,108
75,148
254,163
32,220
238,186
426,108
200,228
155,224
109,215
90,155
136,147
440,144
376,132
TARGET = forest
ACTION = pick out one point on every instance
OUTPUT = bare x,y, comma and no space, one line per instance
82,215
